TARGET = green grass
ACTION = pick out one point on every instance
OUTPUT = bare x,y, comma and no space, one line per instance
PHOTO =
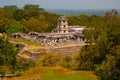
24,41
51,73
54,75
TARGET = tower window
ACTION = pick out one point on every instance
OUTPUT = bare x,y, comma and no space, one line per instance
63,21
64,26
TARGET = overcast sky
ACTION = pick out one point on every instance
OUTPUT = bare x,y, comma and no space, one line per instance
66,4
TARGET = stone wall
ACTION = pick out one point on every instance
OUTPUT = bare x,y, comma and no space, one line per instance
67,50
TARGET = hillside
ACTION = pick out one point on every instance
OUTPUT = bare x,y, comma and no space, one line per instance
28,49
34,51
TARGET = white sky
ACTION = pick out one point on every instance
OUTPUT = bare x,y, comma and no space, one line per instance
66,4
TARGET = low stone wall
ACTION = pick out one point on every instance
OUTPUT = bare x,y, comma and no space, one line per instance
66,50
33,56
19,44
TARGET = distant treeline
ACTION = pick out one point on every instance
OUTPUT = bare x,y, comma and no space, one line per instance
76,12
26,19
33,18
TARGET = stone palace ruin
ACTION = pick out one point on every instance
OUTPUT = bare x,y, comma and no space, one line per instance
63,34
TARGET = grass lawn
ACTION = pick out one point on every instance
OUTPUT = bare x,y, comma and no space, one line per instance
56,73
24,41
28,43
62,74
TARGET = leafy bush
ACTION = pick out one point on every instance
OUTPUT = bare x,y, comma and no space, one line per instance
22,65
66,62
13,27
75,62
49,59
7,54
8,61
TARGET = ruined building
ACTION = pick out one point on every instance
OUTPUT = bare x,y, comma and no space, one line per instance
63,34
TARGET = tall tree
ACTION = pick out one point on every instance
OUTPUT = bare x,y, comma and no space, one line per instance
102,53
37,25
32,10
10,10
19,14
7,54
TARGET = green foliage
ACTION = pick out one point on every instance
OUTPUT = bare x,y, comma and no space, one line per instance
33,24
3,22
10,10
30,17
66,62
19,14
49,59
8,61
31,6
22,65
12,7
103,34
86,58
7,54
32,10
14,27
110,67
52,21
50,28
75,61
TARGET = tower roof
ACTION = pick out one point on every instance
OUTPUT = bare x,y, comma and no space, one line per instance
62,18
